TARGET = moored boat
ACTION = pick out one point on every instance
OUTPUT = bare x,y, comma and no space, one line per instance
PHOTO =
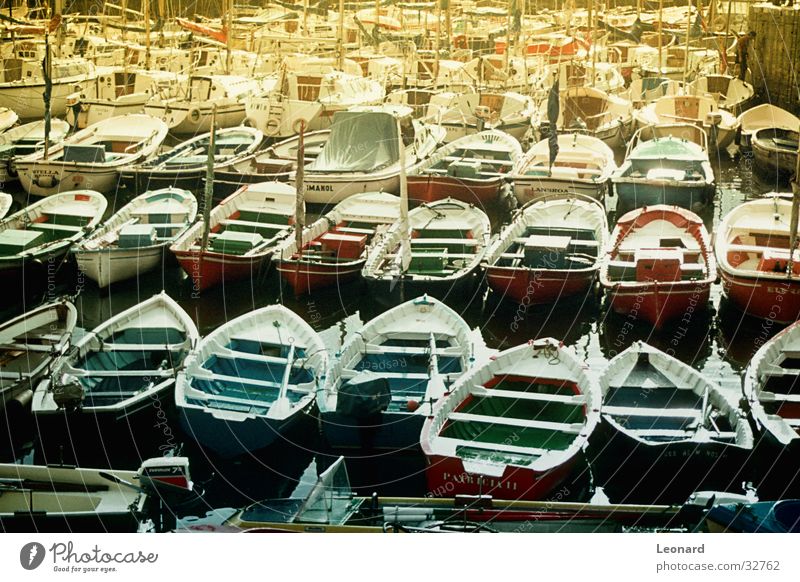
775,151
24,140
583,165
387,377
93,156
551,250
474,168
5,204
731,93
44,231
659,266
249,380
772,389
752,250
665,164
666,431
243,232
335,246
7,119
186,164
760,117
513,427
135,240
121,368
437,250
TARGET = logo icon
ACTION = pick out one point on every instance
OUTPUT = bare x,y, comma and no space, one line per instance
31,555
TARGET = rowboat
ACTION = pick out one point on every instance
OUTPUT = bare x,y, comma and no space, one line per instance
551,250
276,163
121,368
752,250
331,506
6,200
352,161
781,516
388,376
584,165
473,168
135,239
513,427
659,266
772,390
466,113
8,118
24,140
437,251
93,156
206,96
666,431
29,345
760,117
43,232
646,90
68,499
249,380
731,93
595,113
665,164
244,230
186,164
335,247
775,151
720,125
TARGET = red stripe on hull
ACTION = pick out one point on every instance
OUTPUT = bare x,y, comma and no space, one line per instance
534,287
777,300
307,278
446,478
433,188
208,271
658,305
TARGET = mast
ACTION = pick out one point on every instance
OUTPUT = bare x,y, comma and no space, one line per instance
405,227
438,42
660,35
727,33
47,69
341,35
146,10
209,189
794,219
508,40
592,46
688,31
300,209
228,35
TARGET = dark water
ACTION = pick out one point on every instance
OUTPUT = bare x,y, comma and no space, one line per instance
719,341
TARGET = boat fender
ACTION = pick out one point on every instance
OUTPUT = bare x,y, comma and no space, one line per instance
68,396
273,127
46,181
299,125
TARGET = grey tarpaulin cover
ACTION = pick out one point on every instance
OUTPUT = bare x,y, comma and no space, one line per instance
364,395
359,142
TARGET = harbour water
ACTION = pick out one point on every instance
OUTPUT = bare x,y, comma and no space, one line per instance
718,341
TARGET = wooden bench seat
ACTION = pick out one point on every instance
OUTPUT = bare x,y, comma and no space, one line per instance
532,396
500,447
516,422
652,412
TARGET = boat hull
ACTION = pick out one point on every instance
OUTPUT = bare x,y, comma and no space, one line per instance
527,189
447,477
306,277
388,431
774,299
110,266
427,188
26,100
634,472
774,163
42,179
183,119
390,291
659,304
142,181
538,286
637,195
332,189
208,270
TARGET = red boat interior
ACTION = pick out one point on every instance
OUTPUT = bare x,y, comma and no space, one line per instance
761,252
344,242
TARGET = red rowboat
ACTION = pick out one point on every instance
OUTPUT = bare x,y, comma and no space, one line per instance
473,168
551,249
752,248
335,246
514,427
244,231
660,267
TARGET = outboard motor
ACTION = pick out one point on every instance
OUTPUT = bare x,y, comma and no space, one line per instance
69,395
166,477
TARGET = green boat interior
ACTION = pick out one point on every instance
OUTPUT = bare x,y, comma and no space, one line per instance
552,247
251,228
472,163
44,228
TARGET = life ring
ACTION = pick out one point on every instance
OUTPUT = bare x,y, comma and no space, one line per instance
272,127
460,41
194,114
299,125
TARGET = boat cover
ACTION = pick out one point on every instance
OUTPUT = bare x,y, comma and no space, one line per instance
364,395
359,142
